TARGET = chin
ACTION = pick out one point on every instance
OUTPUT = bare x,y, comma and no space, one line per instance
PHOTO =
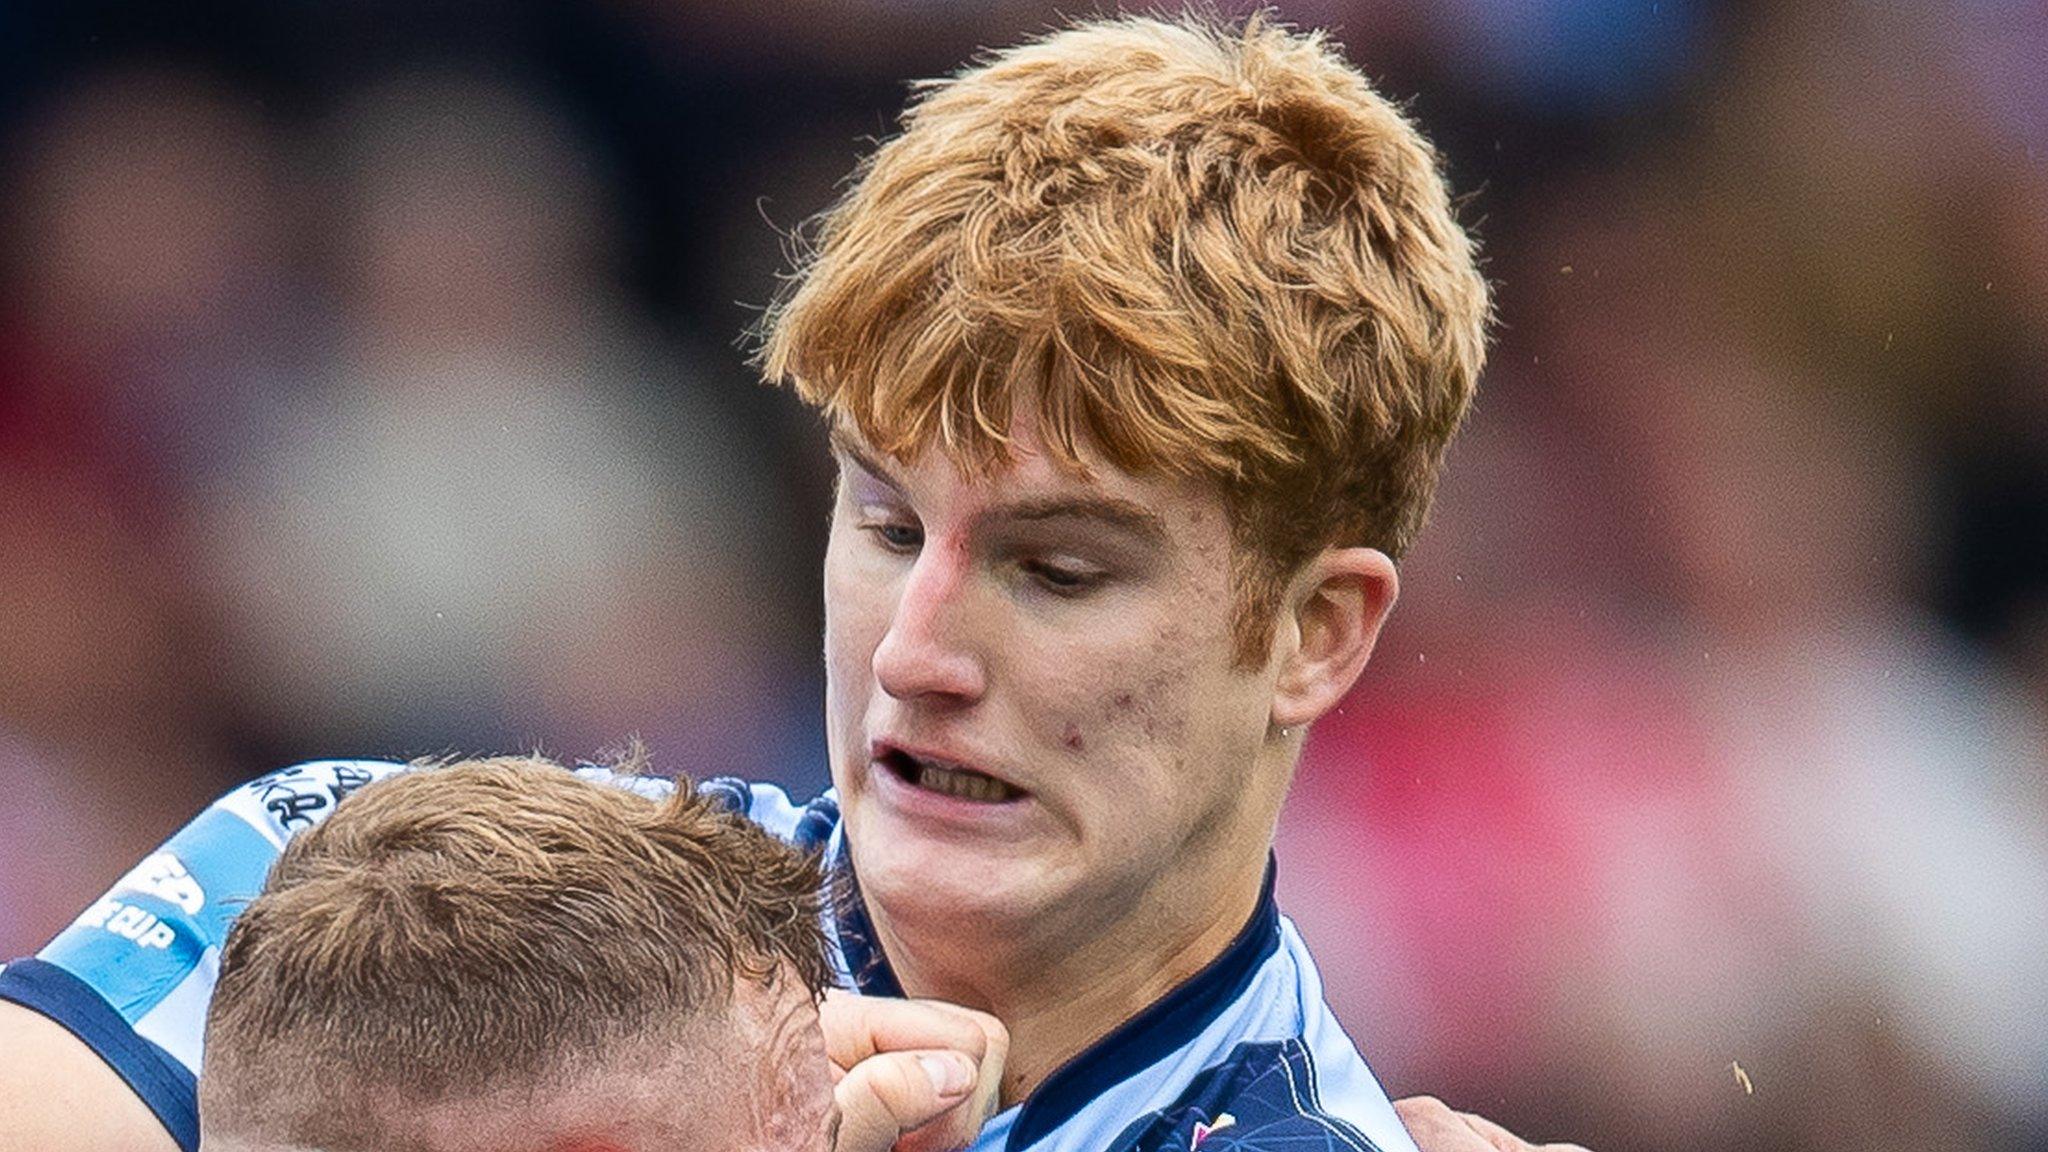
925,879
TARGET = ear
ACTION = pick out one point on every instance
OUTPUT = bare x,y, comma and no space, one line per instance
1337,604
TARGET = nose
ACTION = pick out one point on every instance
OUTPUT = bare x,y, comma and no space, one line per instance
926,654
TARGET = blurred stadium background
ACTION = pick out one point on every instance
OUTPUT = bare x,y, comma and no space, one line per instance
371,383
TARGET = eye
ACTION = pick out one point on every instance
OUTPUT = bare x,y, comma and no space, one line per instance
896,535
1065,579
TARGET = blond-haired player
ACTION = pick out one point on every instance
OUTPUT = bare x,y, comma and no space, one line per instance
498,955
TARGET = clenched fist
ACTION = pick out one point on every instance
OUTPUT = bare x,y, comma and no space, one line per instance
913,1075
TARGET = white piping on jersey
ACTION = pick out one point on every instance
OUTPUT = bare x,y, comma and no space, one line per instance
168,1025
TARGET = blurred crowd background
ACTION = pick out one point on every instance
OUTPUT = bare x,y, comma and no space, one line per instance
373,382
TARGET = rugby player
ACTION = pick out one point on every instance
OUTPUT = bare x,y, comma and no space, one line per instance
1140,347
498,956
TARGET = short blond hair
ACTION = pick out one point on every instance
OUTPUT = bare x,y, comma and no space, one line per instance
464,930
1212,251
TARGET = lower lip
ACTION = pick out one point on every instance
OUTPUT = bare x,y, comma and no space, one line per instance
928,806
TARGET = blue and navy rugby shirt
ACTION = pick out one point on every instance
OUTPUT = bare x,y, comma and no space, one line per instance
1244,1057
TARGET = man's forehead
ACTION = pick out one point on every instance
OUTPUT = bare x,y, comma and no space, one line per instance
1018,448
731,1080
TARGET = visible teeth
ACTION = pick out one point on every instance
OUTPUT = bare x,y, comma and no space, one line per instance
962,784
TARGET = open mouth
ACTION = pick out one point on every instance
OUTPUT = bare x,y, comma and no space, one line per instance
947,779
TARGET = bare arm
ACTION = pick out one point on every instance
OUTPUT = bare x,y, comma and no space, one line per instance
131,974
57,1095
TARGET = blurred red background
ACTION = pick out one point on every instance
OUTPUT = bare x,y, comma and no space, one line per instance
371,383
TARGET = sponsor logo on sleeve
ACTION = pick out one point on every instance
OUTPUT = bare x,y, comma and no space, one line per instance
301,797
129,921
165,877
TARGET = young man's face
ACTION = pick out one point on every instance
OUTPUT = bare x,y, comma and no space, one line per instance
1034,713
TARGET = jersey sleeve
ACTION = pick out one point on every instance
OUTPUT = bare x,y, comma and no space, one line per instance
132,976
809,827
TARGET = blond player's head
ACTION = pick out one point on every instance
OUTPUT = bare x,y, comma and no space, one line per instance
1203,250
497,955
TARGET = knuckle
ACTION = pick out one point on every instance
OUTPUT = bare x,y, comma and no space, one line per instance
1423,1106
951,1026
995,1030
902,1083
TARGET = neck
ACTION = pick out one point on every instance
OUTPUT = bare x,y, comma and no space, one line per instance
1057,996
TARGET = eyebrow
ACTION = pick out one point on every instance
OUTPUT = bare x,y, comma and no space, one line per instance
1127,516
844,444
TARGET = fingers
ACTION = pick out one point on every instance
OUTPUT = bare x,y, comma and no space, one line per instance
958,1128
1506,1141
891,1093
857,1027
876,1044
1437,1127
1496,1136
994,1057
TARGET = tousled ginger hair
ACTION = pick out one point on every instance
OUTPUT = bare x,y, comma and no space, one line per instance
1208,250
463,930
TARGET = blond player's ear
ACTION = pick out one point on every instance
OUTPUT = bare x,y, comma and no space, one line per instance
1334,611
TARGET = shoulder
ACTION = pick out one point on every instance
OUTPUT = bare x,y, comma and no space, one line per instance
1262,1097
808,826
283,803
290,800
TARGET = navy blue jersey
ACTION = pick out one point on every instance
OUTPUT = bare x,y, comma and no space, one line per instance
1245,1055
